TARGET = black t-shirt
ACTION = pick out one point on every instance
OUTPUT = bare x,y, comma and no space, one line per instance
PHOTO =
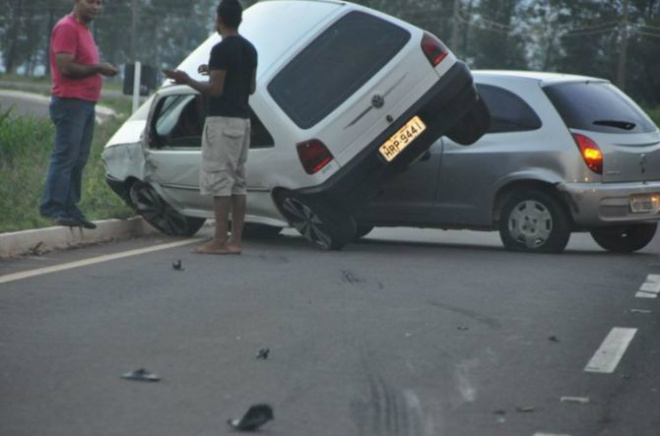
238,57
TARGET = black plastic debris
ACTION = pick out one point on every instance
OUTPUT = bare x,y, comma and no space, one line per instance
256,416
177,266
463,328
553,338
263,353
140,375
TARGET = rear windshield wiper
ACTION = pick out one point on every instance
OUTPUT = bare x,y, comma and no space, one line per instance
625,125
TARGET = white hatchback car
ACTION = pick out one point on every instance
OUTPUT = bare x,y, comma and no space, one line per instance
346,97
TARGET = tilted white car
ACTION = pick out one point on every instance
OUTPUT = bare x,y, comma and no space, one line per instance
346,98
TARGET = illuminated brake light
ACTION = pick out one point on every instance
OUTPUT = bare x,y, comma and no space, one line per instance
434,49
590,152
314,155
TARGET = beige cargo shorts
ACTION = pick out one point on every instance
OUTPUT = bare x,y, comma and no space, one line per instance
225,144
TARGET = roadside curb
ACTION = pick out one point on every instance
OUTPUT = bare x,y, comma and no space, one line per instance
56,238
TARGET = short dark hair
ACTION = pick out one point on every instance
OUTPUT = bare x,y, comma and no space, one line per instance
231,12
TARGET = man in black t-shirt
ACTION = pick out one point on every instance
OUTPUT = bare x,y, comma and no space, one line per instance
232,71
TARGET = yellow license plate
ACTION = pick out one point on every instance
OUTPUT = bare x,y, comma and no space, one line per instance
402,139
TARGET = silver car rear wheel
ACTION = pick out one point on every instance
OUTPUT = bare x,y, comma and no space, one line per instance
534,221
625,238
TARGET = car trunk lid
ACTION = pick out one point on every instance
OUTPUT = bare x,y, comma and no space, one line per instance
628,157
627,138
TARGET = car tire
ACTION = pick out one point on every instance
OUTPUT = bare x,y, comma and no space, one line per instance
326,227
472,125
362,231
160,214
260,231
534,221
625,238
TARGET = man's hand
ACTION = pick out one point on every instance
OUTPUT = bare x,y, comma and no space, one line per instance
107,69
179,77
203,70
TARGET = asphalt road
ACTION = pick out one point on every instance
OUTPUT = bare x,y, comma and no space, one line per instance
36,105
24,104
409,332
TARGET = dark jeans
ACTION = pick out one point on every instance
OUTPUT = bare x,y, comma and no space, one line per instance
74,125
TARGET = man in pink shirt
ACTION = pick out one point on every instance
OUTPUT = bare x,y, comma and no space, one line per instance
77,81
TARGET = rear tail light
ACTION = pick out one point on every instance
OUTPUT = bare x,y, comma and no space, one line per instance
314,155
590,152
434,49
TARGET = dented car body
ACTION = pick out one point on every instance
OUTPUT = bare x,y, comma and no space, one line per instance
564,153
346,99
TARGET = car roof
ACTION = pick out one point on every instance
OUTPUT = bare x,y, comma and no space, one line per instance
274,27
544,78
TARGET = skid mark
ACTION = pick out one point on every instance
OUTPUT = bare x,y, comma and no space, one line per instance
483,319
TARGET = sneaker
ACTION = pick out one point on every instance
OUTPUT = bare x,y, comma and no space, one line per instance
84,222
67,221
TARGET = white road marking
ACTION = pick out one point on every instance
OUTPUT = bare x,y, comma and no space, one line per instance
650,288
611,351
66,266
550,434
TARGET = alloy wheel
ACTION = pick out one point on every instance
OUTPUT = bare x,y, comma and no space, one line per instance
307,222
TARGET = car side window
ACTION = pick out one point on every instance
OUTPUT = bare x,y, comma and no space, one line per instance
179,123
509,113
260,137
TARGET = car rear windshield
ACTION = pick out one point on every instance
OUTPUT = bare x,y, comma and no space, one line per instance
335,65
597,107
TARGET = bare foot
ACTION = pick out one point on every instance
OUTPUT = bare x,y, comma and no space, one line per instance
215,248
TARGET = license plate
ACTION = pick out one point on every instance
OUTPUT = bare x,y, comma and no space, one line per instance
649,203
402,139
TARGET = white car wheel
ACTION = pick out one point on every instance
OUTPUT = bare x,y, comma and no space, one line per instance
322,225
160,214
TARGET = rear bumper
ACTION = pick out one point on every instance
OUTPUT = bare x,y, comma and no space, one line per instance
600,204
441,108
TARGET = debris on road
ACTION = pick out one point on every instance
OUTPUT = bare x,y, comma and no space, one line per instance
641,311
256,416
553,338
177,266
463,328
140,375
576,400
263,353
526,409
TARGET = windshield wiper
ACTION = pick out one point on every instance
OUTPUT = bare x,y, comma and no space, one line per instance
625,125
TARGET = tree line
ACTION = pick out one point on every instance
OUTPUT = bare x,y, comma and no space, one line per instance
615,39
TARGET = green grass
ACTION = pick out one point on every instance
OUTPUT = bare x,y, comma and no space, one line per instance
654,114
25,148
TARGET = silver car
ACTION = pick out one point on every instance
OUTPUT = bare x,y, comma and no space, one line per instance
564,153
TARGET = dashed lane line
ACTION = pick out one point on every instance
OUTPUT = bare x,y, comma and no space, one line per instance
611,351
100,259
549,434
650,288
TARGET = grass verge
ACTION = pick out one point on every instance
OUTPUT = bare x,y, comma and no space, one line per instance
25,147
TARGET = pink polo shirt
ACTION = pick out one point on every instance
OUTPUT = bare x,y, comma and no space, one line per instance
70,36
